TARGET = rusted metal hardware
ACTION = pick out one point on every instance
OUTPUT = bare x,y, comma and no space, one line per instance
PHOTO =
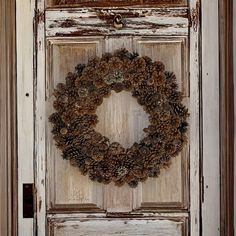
118,21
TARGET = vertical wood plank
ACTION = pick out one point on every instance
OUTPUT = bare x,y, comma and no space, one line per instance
122,120
194,119
210,118
226,111
171,187
8,130
115,197
25,15
65,184
173,52
234,52
40,119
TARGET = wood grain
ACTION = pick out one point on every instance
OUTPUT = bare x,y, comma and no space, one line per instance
158,33
25,101
96,22
194,121
66,186
210,122
96,3
122,227
177,60
226,116
8,126
40,91
40,120
121,199
158,193
119,113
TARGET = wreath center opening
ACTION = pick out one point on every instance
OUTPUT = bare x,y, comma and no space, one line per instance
122,119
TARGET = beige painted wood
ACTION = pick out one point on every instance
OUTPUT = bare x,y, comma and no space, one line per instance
210,86
172,185
173,52
122,227
122,120
39,122
66,186
154,21
118,114
115,199
194,120
25,113
120,199
211,217
8,129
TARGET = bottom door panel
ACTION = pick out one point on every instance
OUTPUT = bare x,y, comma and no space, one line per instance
122,227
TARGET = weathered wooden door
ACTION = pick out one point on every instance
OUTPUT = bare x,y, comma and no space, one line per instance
71,32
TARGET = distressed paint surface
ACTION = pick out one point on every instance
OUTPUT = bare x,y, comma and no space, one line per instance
70,3
210,85
101,22
122,227
73,36
194,120
25,124
67,188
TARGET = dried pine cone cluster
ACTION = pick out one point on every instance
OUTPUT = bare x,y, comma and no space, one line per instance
75,118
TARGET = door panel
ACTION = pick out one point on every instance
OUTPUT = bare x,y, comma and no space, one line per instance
89,21
66,186
173,52
121,119
122,227
74,204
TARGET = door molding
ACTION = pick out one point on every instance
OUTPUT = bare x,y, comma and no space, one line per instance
226,116
8,147
8,136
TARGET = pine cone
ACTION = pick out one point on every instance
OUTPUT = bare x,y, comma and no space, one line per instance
153,172
133,183
175,97
55,118
180,110
79,69
183,127
71,153
70,80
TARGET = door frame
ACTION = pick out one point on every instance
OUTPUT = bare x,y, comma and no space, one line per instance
8,117
226,116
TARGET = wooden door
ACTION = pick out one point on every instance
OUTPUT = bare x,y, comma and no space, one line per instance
72,32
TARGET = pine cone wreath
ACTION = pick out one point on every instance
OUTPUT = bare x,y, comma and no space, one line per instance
75,118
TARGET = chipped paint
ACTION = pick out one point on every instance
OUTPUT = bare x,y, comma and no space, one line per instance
103,22
97,3
194,16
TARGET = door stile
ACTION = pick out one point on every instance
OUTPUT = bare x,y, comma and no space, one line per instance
25,114
210,118
194,118
40,119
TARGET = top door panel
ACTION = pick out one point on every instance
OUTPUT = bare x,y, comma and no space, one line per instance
135,21
115,3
